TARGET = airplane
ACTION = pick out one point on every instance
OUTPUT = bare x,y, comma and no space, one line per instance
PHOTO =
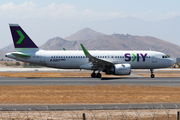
111,62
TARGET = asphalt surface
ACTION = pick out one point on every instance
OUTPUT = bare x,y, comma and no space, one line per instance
89,107
89,81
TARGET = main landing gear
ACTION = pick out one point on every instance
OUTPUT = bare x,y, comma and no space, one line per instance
94,75
152,75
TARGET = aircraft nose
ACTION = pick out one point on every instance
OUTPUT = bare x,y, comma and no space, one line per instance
172,62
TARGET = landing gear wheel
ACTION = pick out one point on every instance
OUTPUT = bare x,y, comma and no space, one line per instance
152,75
93,75
98,75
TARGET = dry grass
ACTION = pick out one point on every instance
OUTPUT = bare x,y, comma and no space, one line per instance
78,74
9,62
3,63
50,74
88,94
160,74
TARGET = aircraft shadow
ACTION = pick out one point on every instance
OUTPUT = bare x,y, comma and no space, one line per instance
116,78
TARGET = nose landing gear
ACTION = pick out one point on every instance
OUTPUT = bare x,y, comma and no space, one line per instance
152,75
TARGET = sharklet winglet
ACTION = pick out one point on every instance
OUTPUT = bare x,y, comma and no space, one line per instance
84,50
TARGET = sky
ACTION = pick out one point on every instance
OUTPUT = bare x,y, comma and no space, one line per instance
45,19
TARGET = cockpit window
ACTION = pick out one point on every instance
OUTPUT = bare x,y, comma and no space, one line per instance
165,56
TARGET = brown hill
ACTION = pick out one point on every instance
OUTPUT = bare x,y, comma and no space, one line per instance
9,48
2,55
58,43
116,42
84,34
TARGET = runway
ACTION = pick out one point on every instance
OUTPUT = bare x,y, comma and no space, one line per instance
166,81
11,69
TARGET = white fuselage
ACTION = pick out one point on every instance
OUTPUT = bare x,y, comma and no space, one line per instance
77,59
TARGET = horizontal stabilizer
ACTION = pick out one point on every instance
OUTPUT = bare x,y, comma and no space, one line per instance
22,55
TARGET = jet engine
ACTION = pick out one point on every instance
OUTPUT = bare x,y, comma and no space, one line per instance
119,69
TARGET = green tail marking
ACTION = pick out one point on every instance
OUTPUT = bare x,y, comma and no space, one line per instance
134,57
85,51
21,37
64,49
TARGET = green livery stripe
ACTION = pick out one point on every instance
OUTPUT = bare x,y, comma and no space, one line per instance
85,51
64,49
21,37
134,57
26,49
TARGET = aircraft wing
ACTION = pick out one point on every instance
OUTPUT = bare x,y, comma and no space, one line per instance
95,61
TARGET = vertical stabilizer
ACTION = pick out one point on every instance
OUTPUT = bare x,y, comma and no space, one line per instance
22,42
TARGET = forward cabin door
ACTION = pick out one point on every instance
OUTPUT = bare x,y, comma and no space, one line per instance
154,59
42,58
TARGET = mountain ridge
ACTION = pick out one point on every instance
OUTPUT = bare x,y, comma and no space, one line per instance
107,42
84,34
119,42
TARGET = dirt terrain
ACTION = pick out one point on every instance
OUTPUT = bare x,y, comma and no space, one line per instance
77,74
50,74
88,94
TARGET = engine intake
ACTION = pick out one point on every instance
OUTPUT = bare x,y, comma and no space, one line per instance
120,69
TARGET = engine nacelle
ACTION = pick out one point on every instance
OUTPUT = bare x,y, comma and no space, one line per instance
119,69
122,69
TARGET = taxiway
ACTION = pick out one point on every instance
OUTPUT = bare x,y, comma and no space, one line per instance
89,107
